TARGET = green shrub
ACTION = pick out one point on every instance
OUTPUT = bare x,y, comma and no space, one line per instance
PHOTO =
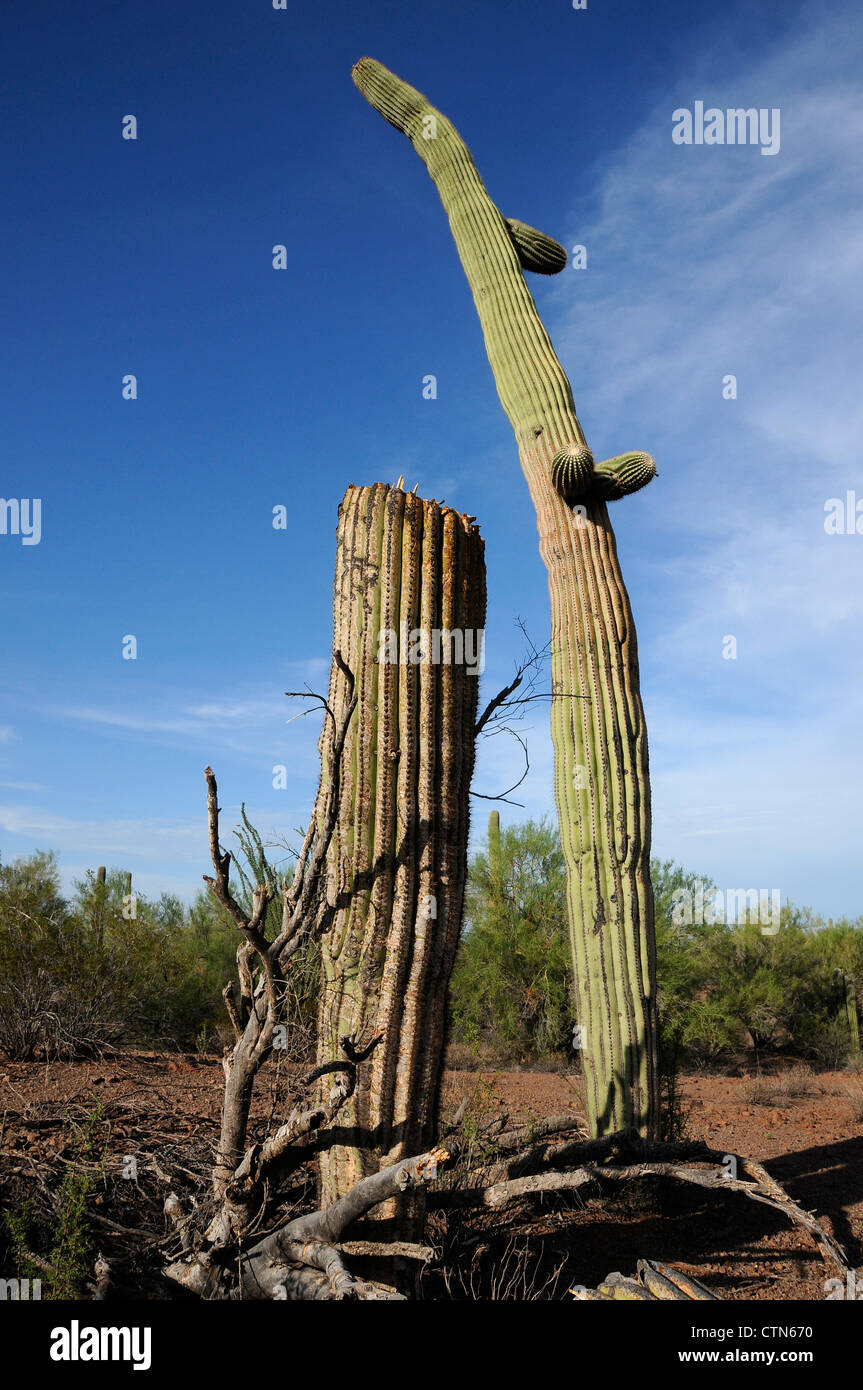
510,987
82,976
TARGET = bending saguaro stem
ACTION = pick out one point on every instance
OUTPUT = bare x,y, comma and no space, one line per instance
408,618
598,728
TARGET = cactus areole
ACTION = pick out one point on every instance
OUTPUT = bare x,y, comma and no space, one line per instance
597,721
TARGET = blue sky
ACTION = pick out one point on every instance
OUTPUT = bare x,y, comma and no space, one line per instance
259,387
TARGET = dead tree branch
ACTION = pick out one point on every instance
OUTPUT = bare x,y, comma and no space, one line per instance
504,796
260,1004
760,1187
264,1268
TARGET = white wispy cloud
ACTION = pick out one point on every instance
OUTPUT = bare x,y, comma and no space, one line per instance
245,714
254,726
168,839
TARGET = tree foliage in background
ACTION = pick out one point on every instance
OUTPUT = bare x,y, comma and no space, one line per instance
78,976
103,969
510,990
724,989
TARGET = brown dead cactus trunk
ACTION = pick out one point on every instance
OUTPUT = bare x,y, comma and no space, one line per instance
409,613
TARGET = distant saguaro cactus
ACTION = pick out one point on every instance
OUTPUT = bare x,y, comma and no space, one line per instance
100,892
598,729
495,862
408,619
848,997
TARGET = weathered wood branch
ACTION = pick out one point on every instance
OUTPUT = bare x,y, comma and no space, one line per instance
260,1004
760,1188
263,1269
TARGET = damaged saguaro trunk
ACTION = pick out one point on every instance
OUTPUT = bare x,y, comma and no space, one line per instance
408,616
598,728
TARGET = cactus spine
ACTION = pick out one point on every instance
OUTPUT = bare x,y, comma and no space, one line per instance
406,569
598,729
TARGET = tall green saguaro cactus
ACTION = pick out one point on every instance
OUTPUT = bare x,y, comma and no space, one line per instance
598,729
408,619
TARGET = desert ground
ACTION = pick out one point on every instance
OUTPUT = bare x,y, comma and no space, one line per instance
163,1112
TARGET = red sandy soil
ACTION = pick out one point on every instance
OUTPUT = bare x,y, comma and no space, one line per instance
812,1144
165,1109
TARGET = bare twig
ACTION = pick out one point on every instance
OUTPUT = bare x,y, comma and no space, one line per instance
504,796
500,699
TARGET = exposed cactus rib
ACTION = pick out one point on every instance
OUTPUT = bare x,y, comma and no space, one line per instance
398,857
654,1282
601,769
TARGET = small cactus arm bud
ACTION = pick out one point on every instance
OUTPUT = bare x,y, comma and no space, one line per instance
571,470
622,475
536,251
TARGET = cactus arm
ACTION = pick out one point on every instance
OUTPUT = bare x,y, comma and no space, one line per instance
536,251
622,475
598,729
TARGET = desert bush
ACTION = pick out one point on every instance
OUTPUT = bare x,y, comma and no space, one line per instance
66,1241
798,1081
793,1084
106,968
301,988
55,996
855,1097
79,977
510,989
